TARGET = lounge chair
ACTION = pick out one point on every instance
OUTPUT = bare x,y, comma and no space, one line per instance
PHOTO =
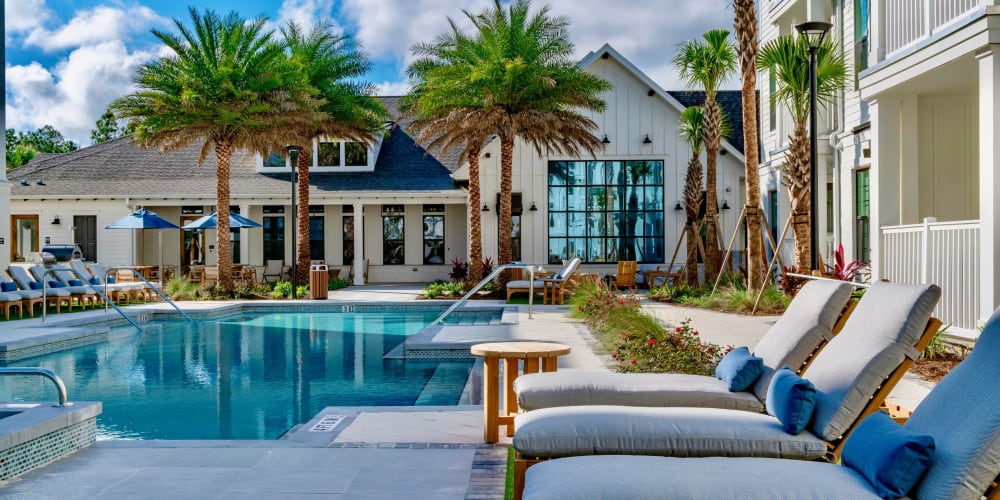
117,292
55,296
960,414
625,276
29,298
129,290
274,269
852,375
10,300
82,293
548,286
816,313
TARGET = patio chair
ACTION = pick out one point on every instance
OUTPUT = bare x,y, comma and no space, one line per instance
960,414
55,296
555,282
128,291
274,268
76,284
817,313
81,294
29,298
117,292
625,277
852,376
210,276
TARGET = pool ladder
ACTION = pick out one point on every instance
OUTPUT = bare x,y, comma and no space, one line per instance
496,272
44,372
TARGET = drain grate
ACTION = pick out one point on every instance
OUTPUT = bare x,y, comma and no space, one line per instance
327,423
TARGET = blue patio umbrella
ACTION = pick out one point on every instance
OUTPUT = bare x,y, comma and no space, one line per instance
144,219
210,221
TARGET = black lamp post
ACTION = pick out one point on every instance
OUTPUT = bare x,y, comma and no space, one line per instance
814,32
293,154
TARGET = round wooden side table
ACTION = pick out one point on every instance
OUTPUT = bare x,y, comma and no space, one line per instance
533,354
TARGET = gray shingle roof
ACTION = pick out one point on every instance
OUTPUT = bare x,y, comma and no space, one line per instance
731,102
121,168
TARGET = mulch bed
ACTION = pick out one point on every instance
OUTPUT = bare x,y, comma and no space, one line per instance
933,370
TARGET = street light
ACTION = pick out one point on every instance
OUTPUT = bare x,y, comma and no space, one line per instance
814,32
293,154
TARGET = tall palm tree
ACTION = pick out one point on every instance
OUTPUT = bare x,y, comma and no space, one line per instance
529,88
745,26
226,85
787,57
333,65
691,129
706,64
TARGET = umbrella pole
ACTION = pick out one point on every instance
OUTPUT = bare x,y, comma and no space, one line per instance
159,270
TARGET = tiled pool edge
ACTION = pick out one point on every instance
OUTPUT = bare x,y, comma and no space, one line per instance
43,433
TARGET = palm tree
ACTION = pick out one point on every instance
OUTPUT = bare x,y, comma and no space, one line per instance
333,65
526,85
227,85
745,25
706,64
691,129
788,58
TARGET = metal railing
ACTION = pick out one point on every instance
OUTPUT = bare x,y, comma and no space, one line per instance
496,272
148,285
45,372
45,298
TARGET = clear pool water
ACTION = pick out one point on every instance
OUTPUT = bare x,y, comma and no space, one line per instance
245,376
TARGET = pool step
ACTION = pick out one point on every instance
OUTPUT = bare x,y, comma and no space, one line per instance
448,380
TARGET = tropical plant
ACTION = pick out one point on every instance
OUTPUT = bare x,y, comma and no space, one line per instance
745,27
706,64
333,64
843,270
225,85
515,77
787,58
459,269
180,288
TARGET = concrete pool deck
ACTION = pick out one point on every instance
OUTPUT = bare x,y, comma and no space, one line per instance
385,452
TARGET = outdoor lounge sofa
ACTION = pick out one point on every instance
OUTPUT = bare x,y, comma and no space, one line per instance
56,279
556,282
29,298
812,318
55,296
961,414
852,376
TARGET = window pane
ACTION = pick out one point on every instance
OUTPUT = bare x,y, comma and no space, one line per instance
654,224
577,199
434,239
557,173
654,198
557,224
317,248
274,238
557,198
348,224
433,252
356,154
654,173
557,250
577,224
434,226
329,154
596,198
577,173
595,172
577,248
275,159
393,227
616,173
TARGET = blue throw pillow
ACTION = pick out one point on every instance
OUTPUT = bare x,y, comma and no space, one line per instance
7,286
34,285
75,283
111,280
94,281
889,456
739,369
56,284
791,399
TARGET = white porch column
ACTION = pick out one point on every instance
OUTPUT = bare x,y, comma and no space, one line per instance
4,189
909,161
884,177
989,180
245,237
359,244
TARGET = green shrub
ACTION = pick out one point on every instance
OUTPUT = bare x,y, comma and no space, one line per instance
339,283
180,288
281,290
442,288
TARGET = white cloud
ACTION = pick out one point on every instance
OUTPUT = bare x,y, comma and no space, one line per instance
75,92
21,16
393,88
306,13
96,25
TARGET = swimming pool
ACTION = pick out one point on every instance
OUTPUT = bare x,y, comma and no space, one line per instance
246,376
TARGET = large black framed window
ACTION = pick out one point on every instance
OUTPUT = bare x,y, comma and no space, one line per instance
393,240
606,211
434,239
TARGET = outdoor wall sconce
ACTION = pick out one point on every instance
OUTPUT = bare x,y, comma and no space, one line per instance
647,140
56,221
725,205
534,208
678,206
486,208
487,155
605,141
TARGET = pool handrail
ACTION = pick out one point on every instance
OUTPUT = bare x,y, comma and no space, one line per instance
45,372
496,272
45,299
148,284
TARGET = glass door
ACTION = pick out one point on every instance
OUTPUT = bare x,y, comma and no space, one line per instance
24,237
192,245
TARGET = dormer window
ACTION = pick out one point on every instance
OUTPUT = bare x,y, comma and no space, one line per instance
329,155
275,159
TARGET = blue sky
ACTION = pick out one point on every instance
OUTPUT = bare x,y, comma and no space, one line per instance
67,59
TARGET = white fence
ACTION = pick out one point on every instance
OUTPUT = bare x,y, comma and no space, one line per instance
944,253
909,21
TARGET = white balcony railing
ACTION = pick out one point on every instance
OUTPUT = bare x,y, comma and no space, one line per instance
944,253
909,21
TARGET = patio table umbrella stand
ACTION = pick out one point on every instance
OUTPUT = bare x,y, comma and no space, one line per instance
145,219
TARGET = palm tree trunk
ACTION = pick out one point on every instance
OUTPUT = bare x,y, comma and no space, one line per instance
796,170
746,43
713,122
475,219
304,255
692,203
223,153
506,174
